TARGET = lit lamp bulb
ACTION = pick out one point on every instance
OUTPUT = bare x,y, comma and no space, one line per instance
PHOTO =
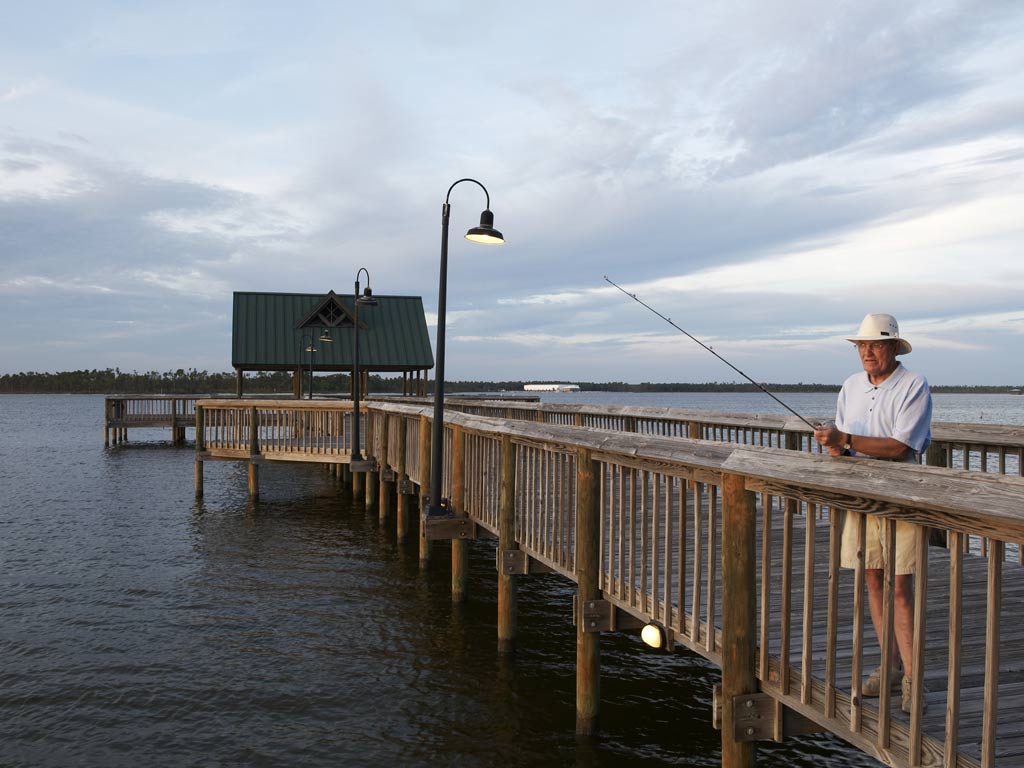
653,635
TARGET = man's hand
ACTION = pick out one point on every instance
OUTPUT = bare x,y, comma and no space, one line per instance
827,436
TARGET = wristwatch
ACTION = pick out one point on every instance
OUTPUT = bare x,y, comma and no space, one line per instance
848,444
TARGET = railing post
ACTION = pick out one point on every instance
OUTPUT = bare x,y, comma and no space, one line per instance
791,440
739,618
507,595
460,547
588,644
935,456
254,450
425,545
200,447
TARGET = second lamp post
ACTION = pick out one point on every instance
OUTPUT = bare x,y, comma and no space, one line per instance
365,299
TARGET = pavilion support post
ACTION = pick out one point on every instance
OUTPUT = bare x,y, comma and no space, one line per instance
200,446
739,617
297,383
507,588
426,545
402,501
239,382
588,644
460,547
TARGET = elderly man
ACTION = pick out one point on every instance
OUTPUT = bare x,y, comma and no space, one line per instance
885,413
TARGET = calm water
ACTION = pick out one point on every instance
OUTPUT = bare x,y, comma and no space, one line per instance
142,627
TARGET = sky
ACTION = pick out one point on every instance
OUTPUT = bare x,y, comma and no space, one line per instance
763,173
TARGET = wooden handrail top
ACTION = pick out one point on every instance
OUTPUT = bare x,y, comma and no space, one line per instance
1007,435
975,503
290,404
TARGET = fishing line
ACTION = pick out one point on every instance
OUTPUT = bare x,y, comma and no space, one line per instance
709,349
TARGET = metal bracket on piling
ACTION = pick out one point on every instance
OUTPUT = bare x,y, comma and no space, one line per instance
755,714
406,486
602,616
515,562
439,528
366,465
388,475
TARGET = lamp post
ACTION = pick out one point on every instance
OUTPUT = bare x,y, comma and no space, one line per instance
306,344
312,350
357,463
485,233
325,336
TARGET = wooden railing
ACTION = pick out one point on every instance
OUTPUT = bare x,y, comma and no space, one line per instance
661,509
123,411
978,447
276,430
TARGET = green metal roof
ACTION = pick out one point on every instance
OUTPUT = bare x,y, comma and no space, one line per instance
267,332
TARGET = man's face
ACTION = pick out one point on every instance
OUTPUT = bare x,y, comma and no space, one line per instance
877,357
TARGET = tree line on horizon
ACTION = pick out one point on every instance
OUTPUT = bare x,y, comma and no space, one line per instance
114,381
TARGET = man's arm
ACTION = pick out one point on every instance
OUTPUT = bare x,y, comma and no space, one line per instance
830,437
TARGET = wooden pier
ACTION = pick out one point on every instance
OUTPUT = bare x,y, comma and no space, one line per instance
121,412
729,549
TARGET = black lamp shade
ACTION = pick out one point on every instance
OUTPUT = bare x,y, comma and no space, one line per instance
485,233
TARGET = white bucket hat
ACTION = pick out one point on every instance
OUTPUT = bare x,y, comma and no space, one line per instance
879,327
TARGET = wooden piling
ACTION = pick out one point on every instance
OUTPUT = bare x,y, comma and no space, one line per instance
372,487
588,644
739,617
460,547
402,501
200,443
358,486
383,487
507,591
254,450
425,545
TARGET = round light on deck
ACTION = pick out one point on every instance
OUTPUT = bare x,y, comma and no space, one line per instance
653,636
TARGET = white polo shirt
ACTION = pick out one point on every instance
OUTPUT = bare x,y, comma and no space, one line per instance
900,407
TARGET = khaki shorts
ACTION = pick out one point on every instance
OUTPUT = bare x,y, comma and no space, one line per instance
874,538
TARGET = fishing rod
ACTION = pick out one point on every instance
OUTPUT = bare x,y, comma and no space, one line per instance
709,349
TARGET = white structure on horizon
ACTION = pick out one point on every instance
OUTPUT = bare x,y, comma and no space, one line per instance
551,387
